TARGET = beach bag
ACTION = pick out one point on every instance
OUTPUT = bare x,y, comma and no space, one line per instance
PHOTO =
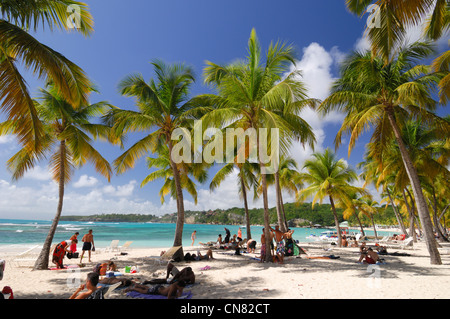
72,255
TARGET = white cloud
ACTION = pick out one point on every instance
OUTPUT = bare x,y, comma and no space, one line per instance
38,173
126,190
31,202
6,139
316,68
121,190
86,181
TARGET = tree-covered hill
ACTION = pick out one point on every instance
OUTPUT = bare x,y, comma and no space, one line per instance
297,214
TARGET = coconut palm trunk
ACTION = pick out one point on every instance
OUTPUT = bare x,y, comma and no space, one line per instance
42,261
178,240
267,235
422,208
281,221
266,219
360,224
373,225
401,225
247,216
336,221
282,209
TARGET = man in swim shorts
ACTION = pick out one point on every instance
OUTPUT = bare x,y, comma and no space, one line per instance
88,244
279,238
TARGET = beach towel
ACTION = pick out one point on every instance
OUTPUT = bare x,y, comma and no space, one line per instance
135,294
298,250
324,257
65,267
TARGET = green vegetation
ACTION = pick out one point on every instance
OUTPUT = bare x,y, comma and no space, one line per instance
302,214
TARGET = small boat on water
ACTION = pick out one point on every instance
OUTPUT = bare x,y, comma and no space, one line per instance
324,236
329,235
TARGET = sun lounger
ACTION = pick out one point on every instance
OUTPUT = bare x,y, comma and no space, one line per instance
164,258
30,255
111,289
125,246
168,255
113,246
408,243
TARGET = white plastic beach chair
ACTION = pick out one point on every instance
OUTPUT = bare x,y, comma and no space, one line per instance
111,289
27,256
408,243
113,246
125,246
163,259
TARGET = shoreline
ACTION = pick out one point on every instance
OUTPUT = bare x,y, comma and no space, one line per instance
243,277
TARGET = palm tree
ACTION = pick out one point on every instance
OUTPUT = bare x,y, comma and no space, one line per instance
370,207
442,64
396,15
67,142
286,178
289,180
328,177
165,172
372,174
246,180
163,108
252,94
18,46
384,96
352,207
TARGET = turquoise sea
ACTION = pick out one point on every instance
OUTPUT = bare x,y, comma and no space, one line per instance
152,235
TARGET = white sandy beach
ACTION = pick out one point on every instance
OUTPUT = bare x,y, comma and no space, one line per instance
241,277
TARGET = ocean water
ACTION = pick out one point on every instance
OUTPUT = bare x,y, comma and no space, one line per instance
152,235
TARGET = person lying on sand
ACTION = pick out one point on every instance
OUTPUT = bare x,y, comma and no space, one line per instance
199,256
125,282
186,275
172,292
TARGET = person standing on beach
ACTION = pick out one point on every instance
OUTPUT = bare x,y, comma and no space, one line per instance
74,239
227,236
279,239
193,237
263,246
88,244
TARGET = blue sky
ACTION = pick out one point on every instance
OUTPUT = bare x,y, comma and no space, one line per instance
128,35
